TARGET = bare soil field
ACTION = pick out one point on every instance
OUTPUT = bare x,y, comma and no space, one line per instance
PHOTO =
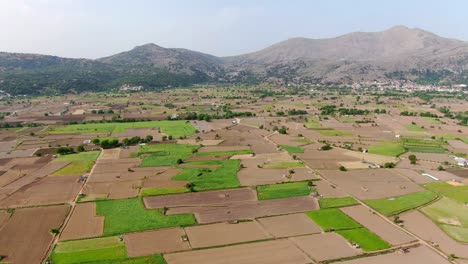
444,175
420,254
325,246
116,166
289,140
413,175
125,153
222,148
377,225
83,223
4,215
110,154
26,235
417,223
319,159
243,136
112,190
248,209
463,173
17,153
155,241
50,190
289,225
6,146
255,253
9,176
371,184
253,176
328,189
458,144
203,236
208,198
369,157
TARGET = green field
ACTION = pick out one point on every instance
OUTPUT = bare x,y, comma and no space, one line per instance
80,163
162,191
292,149
337,202
129,215
164,154
398,204
414,128
333,132
393,149
432,120
210,174
454,137
457,193
423,145
224,153
451,216
283,190
332,219
107,250
176,128
284,165
367,240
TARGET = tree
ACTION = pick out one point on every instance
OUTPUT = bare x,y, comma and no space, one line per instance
149,138
164,138
80,148
389,165
326,147
412,159
64,150
343,168
96,141
180,161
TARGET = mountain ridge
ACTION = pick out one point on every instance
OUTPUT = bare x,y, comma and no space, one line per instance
398,53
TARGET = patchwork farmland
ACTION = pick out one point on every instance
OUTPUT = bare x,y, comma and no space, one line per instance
216,177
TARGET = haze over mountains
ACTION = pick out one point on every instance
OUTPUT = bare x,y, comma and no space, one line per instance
399,53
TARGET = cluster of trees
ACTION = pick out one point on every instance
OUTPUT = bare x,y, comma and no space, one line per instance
412,159
332,109
113,143
207,117
408,113
100,111
292,112
461,116
282,130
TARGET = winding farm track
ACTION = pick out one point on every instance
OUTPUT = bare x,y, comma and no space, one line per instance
73,205
419,240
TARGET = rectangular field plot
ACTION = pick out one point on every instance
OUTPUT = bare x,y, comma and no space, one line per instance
83,223
398,204
177,128
283,190
393,149
278,251
364,238
332,219
325,246
80,163
203,236
123,216
164,154
377,225
337,202
155,241
289,225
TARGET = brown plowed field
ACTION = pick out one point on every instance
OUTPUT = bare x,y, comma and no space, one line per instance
201,198
418,255
289,225
224,234
4,215
325,246
327,189
248,209
26,237
419,224
371,184
155,241
253,176
376,224
112,190
270,252
83,223
50,190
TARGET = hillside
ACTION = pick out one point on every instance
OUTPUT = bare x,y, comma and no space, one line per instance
399,53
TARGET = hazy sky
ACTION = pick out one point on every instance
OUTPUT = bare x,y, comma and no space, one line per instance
97,28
